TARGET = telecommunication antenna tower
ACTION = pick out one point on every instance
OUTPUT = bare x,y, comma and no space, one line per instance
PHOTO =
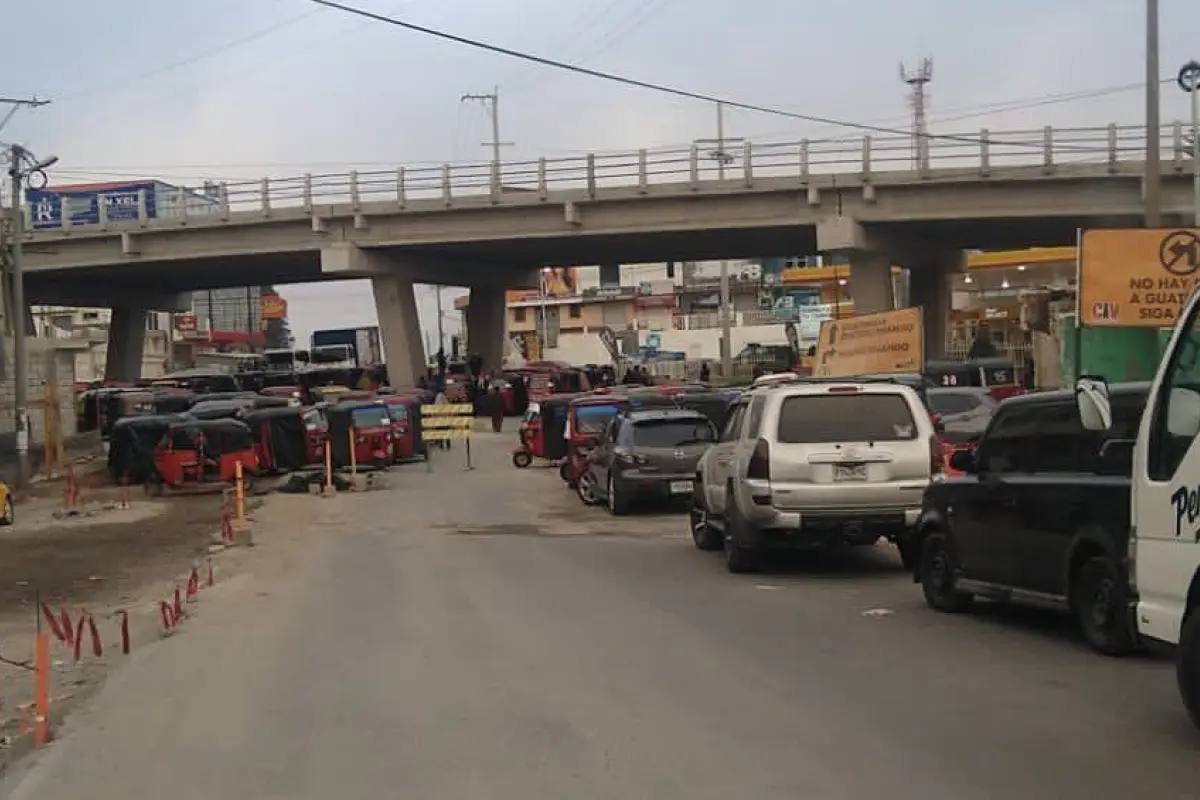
918,100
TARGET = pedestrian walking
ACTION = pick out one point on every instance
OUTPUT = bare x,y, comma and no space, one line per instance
497,409
442,400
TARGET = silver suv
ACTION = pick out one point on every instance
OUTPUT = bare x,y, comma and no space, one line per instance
814,465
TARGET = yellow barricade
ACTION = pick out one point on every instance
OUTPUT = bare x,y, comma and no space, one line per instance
447,421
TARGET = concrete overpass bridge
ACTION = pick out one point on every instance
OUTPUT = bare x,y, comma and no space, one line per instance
491,226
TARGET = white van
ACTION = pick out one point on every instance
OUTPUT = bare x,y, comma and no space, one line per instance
1164,544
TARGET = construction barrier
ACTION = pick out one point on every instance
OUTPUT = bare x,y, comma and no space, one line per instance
445,422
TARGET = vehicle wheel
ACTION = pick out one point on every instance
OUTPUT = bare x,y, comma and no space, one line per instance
618,504
1187,667
739,558
10,515
937,576
585,487
522,460
1099,598
703,536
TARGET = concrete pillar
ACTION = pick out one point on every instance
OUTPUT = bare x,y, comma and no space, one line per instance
400,328
126,338
486,325
930,288
871,282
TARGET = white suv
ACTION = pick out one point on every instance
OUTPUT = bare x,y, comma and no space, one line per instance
813,465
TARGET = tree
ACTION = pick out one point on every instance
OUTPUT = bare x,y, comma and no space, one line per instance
277,335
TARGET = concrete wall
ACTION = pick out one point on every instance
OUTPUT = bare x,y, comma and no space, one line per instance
46,362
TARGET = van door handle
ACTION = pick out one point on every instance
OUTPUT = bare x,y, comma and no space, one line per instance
725,461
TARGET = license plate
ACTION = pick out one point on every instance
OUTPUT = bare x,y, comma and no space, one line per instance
849,472
681,487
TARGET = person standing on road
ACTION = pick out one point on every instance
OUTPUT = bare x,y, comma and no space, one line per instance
983,346
704,373
442,400
497,408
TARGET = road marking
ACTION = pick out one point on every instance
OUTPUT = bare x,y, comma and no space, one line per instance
767,587
877,612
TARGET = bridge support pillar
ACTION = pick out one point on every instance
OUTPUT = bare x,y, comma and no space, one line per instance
400,328
930,288
872,287
126,338
486,325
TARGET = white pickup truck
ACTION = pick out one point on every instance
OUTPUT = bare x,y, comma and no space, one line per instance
1164,544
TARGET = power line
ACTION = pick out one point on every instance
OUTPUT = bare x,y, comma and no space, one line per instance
640,84
121,83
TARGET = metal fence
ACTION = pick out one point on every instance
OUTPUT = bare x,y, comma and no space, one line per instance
849,160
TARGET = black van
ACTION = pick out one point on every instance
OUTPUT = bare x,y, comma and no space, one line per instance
1042,514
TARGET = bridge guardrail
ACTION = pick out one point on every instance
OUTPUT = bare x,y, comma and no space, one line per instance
850,159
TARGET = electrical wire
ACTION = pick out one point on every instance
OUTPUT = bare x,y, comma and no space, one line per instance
121,83
657,87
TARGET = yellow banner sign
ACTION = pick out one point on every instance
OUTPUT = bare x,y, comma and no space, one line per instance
871,344
442,421
1137,278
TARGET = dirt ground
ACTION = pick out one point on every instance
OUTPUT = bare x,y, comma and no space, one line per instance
105,557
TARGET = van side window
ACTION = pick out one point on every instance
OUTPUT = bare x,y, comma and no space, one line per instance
730,434
1176,414
756,414
1008,444
1060,442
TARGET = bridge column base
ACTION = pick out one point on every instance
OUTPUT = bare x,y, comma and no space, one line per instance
126,340
486,325
930,288
400,328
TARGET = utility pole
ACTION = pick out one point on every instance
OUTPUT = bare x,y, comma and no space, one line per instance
491,102
723,158
1153,176
917,80
22,168
441,333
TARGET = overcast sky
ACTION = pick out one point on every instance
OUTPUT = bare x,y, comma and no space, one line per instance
235,89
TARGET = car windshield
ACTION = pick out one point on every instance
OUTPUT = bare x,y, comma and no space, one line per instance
845,417
370,417
398,412
672,432
591,419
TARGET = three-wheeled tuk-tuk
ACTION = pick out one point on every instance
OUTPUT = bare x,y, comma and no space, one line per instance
173,401
123,403
542,431
369,425
195,452
279,438
998,375
714,405
405,413
131,445
587,417
221,409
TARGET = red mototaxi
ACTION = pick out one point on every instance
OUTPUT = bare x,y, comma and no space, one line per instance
404,411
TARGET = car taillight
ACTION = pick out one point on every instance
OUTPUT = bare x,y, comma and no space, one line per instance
760,462
937,459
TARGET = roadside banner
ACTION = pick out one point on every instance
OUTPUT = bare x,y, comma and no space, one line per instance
871,344
1136,277
440,422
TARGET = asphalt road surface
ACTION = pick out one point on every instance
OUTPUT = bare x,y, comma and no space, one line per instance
469,635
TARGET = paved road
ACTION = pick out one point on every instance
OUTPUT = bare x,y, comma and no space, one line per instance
381,651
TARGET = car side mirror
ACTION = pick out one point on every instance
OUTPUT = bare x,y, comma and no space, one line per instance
963,460
1095,411
1183,413
939,425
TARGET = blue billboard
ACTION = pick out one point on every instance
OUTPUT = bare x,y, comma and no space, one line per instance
82,204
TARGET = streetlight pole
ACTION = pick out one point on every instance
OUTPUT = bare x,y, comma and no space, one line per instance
1189,81
1153,174
543,333
22,167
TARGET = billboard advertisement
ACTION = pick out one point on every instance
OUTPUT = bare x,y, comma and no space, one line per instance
1137,278
81,204
871,344
273,307
560,282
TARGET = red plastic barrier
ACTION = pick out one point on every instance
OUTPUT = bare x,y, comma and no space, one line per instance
177,610
94,632
79,636
193,585
125,632
68,628
168,615
55,627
